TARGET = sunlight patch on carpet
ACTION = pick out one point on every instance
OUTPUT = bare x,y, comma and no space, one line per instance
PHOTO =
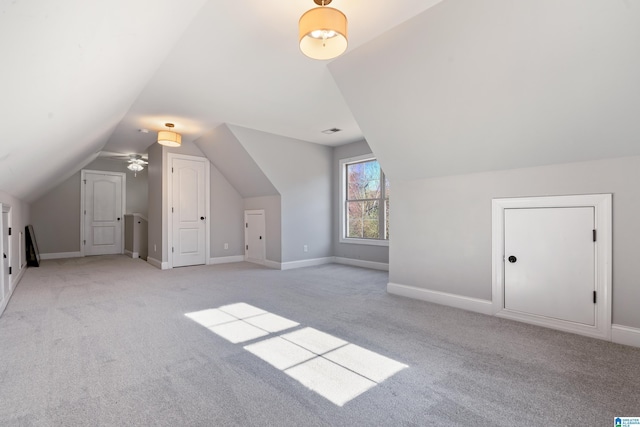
332,367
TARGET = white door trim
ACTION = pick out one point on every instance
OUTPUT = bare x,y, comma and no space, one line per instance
603,260
207,205
83,173
4,299
246,234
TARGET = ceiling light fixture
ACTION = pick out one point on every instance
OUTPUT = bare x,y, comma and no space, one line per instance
136,164
323,32
169,137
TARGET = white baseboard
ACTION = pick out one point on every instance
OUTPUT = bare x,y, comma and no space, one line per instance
273,264
226,259
131,254
625,335
158,264
305,263
443,298
362,263
61,255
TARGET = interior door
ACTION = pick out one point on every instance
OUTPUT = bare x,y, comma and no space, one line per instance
188,212
103,214
549,266
6,256
254,236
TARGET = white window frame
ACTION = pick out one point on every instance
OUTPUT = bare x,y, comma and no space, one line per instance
343,200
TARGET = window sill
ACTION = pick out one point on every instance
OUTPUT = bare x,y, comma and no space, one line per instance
370,242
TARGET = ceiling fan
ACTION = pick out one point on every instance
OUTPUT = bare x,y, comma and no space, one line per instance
136,161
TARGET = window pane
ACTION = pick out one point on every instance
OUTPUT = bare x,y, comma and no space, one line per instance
370,221
354,212
363,180
363,220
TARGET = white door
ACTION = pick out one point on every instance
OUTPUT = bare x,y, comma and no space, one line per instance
188,212
549,266
103,209
254,236
6,257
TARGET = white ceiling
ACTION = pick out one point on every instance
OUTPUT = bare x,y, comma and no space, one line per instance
239,63
80,77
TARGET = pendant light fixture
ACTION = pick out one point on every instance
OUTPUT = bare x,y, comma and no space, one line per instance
323,32
169,137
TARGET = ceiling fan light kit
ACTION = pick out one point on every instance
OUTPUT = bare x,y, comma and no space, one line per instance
136,164
169,138
323,32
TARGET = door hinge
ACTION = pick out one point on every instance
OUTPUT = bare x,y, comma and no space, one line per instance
594,235
171,170
85,181
9,270
9,231
246,225
172,249
247,247
594,297
84,242
85,212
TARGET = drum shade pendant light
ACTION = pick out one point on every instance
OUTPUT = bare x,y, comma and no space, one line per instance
169,137
323,32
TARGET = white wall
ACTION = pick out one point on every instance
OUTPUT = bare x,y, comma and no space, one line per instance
346,250
155,178
301,172
273,223
230,157
470,86
227,217
442,226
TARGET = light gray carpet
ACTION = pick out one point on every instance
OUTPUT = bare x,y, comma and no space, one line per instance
103,341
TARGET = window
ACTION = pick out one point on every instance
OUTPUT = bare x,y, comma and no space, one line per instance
365,212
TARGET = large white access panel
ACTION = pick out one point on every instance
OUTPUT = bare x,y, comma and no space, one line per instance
188,212
103,213
550,265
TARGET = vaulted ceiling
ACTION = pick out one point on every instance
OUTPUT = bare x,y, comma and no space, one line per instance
80,77
436,87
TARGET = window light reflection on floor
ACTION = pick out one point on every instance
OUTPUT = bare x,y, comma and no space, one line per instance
335,369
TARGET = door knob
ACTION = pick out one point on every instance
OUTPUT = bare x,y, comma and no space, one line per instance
512,259
118,219
202,218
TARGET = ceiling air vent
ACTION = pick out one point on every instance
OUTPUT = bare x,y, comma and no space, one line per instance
330,131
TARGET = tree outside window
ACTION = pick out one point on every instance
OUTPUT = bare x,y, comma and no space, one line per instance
367,201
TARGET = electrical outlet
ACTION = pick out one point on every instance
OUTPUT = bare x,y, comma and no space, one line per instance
305,248
226,246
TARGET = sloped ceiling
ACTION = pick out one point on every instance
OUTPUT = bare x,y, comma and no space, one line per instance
471,86
458,87
80,77
222,147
